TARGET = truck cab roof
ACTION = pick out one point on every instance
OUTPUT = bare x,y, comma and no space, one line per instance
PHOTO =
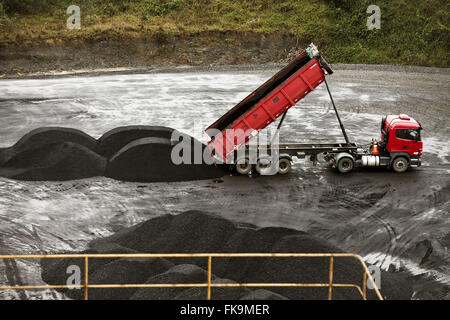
401,121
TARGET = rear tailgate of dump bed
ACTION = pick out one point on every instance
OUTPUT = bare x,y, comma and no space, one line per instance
265,104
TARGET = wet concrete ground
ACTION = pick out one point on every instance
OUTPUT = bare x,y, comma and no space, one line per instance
399,222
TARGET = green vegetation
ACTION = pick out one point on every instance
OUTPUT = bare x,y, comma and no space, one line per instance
160,8
412,32
3,18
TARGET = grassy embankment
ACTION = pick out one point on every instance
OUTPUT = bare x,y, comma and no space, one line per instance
412,32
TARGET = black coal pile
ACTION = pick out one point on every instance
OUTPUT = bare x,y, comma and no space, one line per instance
114,140
56,162
133,153
196,231
41,137
154,159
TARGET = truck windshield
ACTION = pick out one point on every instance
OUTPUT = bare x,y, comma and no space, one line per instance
408,134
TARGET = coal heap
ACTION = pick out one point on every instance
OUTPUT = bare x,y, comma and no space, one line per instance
114,140
56,162
132,153
196,231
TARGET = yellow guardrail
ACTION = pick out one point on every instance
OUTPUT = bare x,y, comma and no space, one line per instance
208,284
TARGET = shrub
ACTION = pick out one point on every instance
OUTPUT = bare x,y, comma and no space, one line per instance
26,6
161,7
3,17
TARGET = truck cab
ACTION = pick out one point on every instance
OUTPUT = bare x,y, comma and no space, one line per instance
401,137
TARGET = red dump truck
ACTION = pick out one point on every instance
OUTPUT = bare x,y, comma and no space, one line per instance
400,146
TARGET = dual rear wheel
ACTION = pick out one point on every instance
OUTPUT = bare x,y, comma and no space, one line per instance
345,165
243,166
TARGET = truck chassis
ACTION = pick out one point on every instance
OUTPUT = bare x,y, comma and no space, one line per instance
342,156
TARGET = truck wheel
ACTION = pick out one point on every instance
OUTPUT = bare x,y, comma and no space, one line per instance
263,163
345,165
243,166
400,164
284,166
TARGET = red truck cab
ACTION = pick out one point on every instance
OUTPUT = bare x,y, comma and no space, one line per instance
401,133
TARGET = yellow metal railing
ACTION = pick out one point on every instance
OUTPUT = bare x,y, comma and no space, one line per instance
209,283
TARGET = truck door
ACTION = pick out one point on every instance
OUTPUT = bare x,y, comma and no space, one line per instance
405,140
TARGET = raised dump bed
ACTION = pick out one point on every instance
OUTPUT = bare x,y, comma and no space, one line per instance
267,103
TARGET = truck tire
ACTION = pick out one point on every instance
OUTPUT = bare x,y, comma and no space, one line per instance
400,164
261,164
243,166
345,165
284,166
